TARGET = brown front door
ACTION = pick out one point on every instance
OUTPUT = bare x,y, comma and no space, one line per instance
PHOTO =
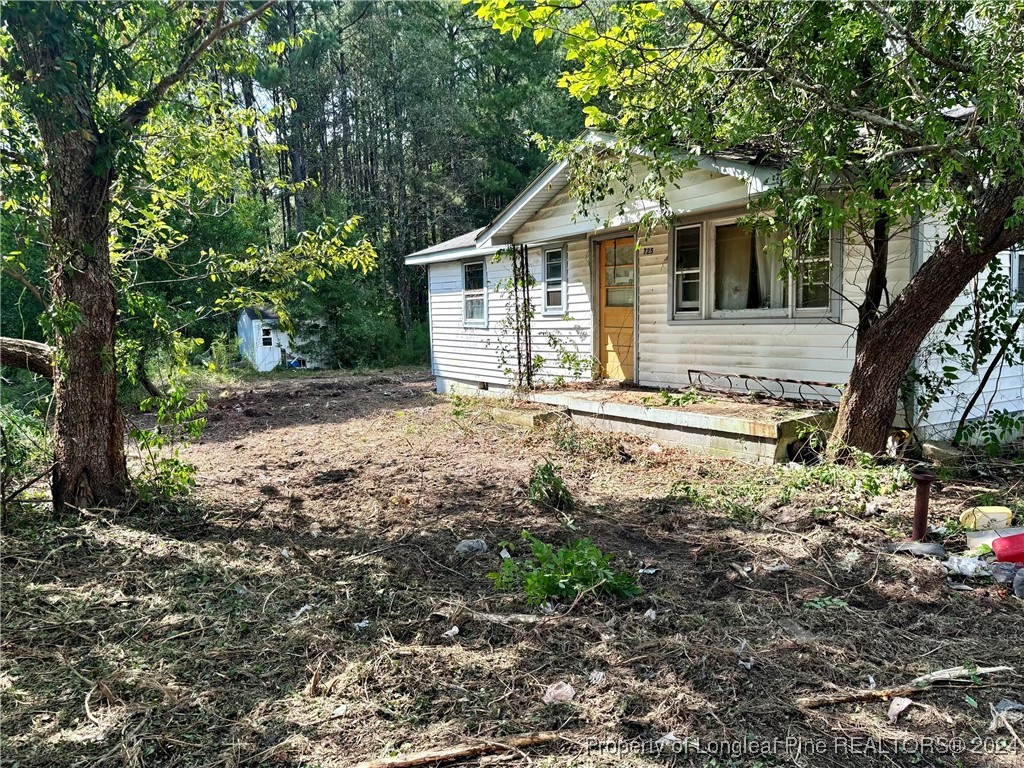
616,268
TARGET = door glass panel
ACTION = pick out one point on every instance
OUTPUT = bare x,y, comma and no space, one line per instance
619,297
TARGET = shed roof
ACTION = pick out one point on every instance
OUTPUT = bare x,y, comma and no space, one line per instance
260,313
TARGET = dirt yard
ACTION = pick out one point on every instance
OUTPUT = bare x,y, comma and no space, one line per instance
299,613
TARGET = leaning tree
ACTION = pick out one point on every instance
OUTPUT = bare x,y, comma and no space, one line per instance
877,113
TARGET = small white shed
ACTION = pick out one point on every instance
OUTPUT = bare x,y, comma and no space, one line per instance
263,342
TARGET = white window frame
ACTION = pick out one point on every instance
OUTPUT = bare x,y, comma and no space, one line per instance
560,308
707,310
266,335
690,313
1017,273
475,293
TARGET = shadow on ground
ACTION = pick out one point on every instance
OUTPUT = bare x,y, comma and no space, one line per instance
297,613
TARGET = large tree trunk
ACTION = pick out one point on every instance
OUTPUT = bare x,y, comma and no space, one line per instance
89,434
886,349
89,455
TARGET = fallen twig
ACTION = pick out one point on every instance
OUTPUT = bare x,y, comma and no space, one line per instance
11,496
525,619
953,674
463,751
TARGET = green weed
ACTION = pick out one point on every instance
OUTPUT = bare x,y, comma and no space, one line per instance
548,489
686,397
565,572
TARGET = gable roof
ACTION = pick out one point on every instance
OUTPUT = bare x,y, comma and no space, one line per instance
467,244
750,167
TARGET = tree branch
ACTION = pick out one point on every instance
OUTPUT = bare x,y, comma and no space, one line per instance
20,277
135,113
904,34
30,355
818,90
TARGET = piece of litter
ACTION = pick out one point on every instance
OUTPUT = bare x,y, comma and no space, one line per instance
450,633
471,547
1008,705
505,554
314,529
1005,712
647,571
299,613
1003,573
558,693
655,448
650,614
969,567
959,587
286,553
876,505
747,664
986,518
596,677
341,709
361,625
779,568
668,740
896,708
919,548
240,590
871,682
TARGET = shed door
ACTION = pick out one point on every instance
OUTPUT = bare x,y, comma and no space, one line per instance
616,268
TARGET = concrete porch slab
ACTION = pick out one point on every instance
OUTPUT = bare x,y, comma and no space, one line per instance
752,432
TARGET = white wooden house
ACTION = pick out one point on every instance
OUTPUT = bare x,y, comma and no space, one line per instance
702,295
267,346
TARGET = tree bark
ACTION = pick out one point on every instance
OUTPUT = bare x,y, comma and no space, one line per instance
89,452
89,434
89,456
886,349
30,355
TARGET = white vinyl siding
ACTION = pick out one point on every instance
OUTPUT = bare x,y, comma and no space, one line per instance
1005,388
474,353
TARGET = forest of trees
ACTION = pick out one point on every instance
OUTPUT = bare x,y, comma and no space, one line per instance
166,165
415,117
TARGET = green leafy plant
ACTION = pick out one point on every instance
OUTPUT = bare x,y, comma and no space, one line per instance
686,397
565,572
165,475
460,406
548,489
825,603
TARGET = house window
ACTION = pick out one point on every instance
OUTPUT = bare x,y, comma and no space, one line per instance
747,267
268,337
474,298
814,274
1017,272
554,281
687,270
741,272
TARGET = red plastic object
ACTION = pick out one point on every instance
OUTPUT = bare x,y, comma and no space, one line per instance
1009,549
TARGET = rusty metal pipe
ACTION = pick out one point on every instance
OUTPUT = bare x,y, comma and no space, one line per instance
924,482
